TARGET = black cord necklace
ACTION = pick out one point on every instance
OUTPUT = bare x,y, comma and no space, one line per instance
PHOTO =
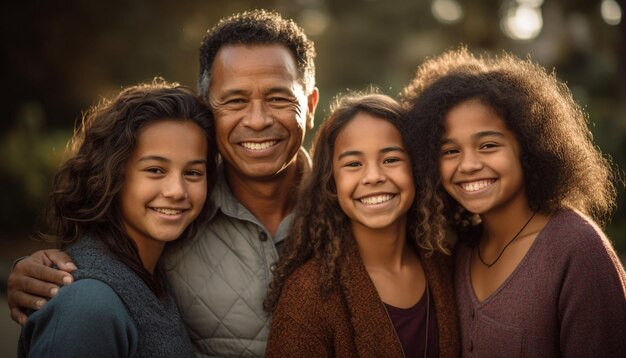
505,246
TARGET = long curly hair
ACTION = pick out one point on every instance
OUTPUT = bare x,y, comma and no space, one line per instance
321,230
562,167
85,197
253,28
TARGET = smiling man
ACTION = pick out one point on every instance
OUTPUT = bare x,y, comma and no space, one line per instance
257,72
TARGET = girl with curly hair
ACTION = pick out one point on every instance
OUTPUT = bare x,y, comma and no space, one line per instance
138,179
508,154
357,276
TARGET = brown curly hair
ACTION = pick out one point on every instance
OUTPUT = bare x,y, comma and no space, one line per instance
561,165
321,230
85,197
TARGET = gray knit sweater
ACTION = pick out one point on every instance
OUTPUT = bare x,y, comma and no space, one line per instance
566,298
156,329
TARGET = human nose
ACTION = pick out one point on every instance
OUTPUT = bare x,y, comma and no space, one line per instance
470,163
373,175
258,116
174,188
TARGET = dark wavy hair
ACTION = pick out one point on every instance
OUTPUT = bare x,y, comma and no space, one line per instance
562,167
321,230
258,27
85,197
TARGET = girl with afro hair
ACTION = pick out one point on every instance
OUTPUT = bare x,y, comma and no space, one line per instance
515,173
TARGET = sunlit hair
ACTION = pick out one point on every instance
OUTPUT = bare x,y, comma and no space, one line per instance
321,230
258,27
562,167
85,199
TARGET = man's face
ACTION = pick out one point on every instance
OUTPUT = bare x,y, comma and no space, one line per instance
261,110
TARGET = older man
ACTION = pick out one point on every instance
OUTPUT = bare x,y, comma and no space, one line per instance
258,74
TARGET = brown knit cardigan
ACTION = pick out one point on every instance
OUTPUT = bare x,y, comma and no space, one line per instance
351,320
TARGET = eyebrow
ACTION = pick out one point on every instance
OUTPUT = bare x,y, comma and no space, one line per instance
159,158
487,134
232,92
476,136
280,89
382,151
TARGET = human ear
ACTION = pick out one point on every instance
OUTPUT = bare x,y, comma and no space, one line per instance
312,100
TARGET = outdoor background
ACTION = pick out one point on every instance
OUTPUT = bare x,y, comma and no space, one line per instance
59,57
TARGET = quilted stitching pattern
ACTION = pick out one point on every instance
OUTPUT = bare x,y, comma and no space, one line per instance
219,282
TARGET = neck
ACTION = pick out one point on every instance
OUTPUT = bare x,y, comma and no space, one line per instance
150,253
383,249
501,225
269,200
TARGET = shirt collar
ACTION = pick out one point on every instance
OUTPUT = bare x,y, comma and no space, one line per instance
224,200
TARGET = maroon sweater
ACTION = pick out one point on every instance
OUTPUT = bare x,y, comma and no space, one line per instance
351,321
567,297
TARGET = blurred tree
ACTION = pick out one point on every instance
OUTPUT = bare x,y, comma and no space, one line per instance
60,57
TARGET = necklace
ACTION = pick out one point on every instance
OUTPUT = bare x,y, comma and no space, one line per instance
427,293
505,246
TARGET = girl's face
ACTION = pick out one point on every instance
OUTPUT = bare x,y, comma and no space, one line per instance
479,161
165,184
372,173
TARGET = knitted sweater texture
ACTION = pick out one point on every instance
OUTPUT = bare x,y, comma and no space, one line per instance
566,298
351,320
156,329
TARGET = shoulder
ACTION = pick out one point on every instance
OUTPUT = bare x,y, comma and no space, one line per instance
303,284
301,295
90,296
87,301
578,246
83,317
570,232
439,267
572,222
301,323
442,260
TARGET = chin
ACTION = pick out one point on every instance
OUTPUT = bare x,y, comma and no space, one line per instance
168,237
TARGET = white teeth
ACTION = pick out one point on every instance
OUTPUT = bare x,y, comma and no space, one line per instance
477,185
258,146
371,200
167,211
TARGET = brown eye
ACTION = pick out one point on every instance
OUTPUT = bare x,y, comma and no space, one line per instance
391,160
154,170
488,146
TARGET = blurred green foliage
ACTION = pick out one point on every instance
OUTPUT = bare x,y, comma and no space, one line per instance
60,57
31,155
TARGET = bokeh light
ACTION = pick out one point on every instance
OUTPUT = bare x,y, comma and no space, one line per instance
611,12
447,11
522,21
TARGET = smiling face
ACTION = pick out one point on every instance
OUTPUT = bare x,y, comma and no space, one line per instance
165,184
480,160
372,173
261,110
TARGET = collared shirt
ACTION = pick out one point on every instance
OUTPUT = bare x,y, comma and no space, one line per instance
220,278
